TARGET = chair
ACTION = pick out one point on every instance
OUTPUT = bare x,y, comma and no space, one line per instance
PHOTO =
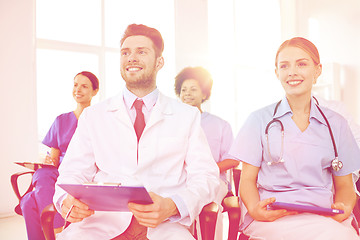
15,186
207,219
47,221
232,206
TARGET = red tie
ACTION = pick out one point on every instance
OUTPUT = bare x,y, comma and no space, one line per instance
139,123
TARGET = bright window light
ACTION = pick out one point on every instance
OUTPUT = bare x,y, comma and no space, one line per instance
77,21
55,83
244,37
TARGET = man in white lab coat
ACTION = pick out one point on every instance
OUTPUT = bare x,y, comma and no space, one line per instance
170,157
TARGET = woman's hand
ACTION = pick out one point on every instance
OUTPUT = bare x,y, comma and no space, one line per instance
345,197
52,157
260,212
341,206
49,160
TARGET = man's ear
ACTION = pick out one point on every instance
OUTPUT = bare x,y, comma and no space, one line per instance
159,63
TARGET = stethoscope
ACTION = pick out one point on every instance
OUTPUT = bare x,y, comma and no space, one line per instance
335,164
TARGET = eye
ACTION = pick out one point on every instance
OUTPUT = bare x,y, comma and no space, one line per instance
283,66
302,64
124,53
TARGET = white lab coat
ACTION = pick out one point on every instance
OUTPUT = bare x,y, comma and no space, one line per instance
174,159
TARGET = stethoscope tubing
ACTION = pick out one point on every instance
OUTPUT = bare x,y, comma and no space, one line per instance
274,120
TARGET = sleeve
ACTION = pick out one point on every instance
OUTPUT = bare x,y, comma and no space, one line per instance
51,138
78,165
202,181
247,146
348,151
227,140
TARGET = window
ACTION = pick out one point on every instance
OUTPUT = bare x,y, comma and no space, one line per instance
243,39
84,35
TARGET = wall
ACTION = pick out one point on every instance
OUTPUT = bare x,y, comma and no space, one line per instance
338,39
191,33
18,96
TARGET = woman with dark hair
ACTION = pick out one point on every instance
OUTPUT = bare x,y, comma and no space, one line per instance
86,86
296,153
193,86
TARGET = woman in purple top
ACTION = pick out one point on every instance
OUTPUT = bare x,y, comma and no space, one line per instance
297,152
193,86
86,86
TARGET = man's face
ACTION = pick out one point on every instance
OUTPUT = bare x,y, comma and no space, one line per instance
138,62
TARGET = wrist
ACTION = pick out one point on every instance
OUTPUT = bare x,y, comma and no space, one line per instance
173,211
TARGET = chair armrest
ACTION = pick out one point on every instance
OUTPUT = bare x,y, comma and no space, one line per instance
232,206
15,186
207,219
47,221
236,177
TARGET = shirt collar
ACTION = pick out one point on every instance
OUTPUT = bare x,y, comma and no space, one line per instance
149,100
284,108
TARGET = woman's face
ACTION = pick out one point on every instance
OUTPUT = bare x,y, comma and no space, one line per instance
83,90
190,93
296,71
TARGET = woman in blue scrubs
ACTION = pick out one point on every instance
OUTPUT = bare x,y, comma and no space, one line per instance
298,167
86,86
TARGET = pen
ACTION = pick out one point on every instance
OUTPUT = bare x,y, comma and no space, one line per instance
67,215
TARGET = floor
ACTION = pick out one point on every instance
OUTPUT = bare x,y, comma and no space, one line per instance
13,228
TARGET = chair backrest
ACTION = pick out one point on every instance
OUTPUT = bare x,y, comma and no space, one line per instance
15,185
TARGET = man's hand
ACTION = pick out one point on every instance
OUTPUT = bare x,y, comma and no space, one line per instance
261,213
152,215
78,212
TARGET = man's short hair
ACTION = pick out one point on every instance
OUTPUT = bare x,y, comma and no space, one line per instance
143,30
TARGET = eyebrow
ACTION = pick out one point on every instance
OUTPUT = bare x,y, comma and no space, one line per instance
138,48
298,60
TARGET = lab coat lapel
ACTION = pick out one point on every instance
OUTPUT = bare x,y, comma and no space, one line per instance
118,108
160,110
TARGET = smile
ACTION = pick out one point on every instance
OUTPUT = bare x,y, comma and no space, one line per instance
294,82
133,69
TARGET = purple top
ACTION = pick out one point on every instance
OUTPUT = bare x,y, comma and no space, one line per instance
61,132
219,136
305,176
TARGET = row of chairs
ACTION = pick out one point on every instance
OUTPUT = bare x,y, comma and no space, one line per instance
207,218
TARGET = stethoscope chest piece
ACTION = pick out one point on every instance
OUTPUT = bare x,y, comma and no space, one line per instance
336,164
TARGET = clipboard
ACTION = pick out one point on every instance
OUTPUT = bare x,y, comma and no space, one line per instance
105,197
34,166
305,208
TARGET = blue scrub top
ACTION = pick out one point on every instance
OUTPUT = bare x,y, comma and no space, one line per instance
61,132
306,175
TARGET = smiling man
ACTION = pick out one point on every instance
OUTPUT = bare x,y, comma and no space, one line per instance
140,137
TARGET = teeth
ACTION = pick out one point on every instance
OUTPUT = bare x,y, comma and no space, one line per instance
294,82
133,69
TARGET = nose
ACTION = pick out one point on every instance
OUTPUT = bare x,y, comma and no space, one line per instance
292,71
132,57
